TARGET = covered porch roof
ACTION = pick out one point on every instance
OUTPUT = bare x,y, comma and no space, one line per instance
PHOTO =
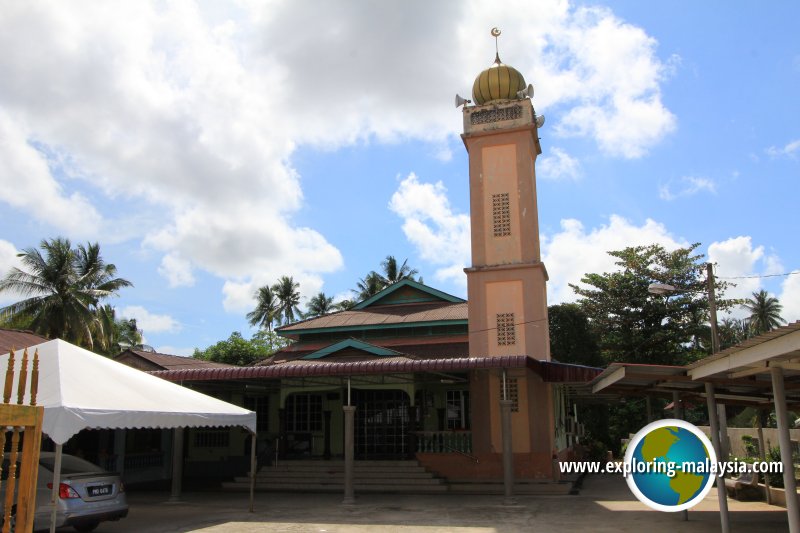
550,371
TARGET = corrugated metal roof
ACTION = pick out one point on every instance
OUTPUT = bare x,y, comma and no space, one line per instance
383,315
18,339
170,362
550,371
755,341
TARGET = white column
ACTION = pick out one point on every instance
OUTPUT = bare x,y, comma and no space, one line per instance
789,484
722,494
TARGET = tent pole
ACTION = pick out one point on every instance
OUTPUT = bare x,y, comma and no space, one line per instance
177,464
252,469
54,492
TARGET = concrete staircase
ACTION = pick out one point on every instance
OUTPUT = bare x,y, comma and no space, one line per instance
328,476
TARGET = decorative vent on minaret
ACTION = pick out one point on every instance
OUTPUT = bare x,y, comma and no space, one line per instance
506,333
501,215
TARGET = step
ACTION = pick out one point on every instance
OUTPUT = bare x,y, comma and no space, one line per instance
323,473
492,487
340,480
358,487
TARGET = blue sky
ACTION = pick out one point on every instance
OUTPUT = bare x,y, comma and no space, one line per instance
212,148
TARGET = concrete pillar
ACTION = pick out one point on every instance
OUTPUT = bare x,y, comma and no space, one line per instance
253,469
177,464
508,452
677,406
789,484
349,449
722,494
724,441
762,452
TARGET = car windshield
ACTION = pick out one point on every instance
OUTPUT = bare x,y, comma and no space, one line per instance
71,465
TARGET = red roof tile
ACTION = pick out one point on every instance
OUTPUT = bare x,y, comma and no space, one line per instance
383,315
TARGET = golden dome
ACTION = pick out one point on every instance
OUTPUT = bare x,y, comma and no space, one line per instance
498,82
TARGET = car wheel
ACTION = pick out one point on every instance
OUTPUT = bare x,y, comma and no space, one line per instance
85,528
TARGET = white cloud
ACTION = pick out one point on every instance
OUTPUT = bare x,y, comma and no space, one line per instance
738,258
26,184
8,260
441,236
789,150
176,270
558,165
790,298
195,111
172,350
688,186
574,251
149,322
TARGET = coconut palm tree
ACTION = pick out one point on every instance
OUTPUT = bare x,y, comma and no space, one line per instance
62,289
266,311
392,273
371,285
320,305
286,291
765,312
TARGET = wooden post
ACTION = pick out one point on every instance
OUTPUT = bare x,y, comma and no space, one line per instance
177,465
789,484
722,494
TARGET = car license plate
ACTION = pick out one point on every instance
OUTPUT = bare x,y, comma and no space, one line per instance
99,490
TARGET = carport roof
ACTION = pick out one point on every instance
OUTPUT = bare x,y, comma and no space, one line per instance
739,374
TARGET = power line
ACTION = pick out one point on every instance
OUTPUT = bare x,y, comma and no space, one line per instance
792,273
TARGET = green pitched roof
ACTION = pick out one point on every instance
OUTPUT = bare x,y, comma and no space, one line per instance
405,292
370,349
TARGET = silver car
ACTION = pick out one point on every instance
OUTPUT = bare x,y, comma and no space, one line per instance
87,494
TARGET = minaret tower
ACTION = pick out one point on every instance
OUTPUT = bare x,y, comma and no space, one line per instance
507,280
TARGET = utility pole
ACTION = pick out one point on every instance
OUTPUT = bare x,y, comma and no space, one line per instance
712,308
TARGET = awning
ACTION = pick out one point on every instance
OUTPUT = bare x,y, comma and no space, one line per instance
550,371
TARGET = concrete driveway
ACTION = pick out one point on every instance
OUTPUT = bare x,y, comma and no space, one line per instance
604,505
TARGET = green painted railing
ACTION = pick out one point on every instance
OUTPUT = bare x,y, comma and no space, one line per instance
444,441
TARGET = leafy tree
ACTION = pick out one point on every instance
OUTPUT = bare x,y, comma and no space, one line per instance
637,327
266,310
371,285
62,290
765,312
236,350
288,295
572,339
320,305
391,273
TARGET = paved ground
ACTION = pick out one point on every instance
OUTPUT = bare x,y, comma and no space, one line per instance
604,505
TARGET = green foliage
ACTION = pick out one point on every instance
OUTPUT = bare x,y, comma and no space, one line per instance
287,292
572,339
266,311
320,305
750,445
635,326
237,350
765,312
62,289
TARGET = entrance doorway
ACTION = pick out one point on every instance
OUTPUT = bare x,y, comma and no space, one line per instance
381,424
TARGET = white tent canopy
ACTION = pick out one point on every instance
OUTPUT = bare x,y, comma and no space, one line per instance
82,390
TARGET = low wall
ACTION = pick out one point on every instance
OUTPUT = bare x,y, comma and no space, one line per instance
736,444
455,466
